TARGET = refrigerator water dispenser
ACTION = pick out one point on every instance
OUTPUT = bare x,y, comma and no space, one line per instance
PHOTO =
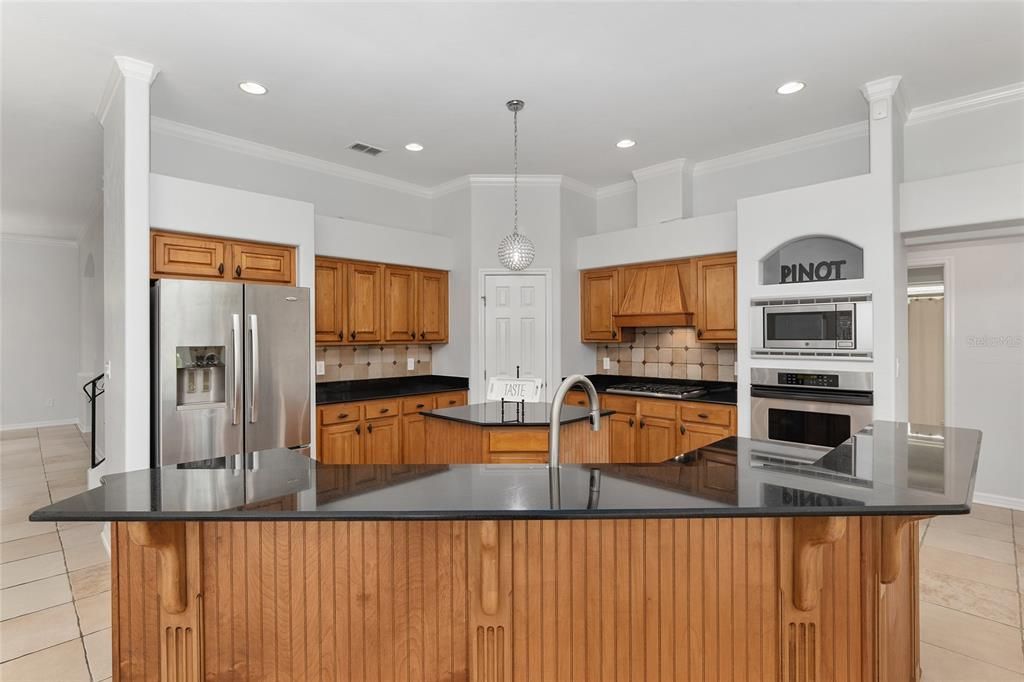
201,376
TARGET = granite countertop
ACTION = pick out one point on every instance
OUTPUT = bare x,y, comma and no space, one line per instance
720,392
331,392
889,468
511,414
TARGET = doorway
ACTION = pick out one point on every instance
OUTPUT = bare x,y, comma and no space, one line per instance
516,323
927,344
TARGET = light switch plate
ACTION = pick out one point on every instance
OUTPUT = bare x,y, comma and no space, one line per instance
320,369
410,364
606,363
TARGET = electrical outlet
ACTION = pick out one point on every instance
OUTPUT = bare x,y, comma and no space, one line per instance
410,364
320,368
606,363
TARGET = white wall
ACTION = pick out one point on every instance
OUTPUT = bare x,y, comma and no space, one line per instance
676,239
343,238
452,218
578,219
189,206
985,290
39,332
616,207
90,307
221,160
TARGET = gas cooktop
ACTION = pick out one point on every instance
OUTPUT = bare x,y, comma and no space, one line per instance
653,390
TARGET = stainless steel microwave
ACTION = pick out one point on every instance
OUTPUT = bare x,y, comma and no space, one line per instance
840,323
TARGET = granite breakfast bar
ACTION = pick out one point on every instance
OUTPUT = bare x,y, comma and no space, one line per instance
739,560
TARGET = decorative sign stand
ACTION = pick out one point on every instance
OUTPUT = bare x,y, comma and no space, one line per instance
813,259
517,389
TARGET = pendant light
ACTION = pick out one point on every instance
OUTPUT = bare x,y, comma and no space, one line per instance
515,251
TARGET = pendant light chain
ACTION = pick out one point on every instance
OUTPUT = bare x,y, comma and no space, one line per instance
515,172
515,251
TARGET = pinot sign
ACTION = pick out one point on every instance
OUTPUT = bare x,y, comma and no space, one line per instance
813,259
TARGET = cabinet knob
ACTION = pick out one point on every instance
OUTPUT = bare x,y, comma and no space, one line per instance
420,406
614,334
700,332
343,415
631,422
238,271
220,269
703,415
358,431
352,336
369,428
642,423
341,335
682,429
412,335
383,410
423,335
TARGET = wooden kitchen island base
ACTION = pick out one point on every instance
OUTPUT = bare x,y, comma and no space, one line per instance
807,598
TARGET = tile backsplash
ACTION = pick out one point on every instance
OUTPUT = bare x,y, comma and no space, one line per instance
372,362
669,352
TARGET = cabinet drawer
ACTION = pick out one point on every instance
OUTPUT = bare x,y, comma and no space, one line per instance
620,404
339,414
517,458
577,398
419,403
518,440
381,408
705,413
451,399
658,408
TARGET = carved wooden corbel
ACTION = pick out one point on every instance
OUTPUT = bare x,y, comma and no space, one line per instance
893,528
810,534
179,586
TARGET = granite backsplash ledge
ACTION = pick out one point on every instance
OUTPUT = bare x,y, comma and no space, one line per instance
669,353
343,363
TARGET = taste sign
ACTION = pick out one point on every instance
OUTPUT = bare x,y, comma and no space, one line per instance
813,259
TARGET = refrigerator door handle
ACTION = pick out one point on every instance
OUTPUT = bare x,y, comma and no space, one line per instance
254,361
236,370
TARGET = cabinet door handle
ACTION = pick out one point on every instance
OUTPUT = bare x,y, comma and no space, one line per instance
682,429
343,415
341,335
614,334
383,410
642,423
631,422
238,271
451,402
220,269
703,415
352,336
423,335
358,431
700,332
412,335
420,406
369,428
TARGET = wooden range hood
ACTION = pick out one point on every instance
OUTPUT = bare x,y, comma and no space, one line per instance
655,296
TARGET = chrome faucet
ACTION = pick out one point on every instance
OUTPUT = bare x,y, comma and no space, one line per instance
556,412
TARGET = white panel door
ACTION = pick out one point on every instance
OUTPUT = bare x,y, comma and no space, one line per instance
515,319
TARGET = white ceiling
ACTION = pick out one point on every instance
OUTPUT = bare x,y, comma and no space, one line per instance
694,80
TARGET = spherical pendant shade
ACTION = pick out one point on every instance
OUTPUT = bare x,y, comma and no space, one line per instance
516,252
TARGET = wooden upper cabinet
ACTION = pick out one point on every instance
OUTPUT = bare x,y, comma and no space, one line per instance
399,303
364,302
182,255
716,297
432,306
330,301
262,263
600,299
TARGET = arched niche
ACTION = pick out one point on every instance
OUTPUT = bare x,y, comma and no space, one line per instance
813,258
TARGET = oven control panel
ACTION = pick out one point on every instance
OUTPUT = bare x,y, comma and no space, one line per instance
804,379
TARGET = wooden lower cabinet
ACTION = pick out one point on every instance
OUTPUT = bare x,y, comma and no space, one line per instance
622,439
763,599
378,431
657,439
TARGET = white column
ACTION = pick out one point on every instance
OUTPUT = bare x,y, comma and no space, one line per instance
886,120
124,115
664,192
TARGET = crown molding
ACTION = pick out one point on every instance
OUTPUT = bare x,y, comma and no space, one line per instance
664,168
574,185
136,68
37,239
776,149
454,185
961,105
184,131
616,189
883,87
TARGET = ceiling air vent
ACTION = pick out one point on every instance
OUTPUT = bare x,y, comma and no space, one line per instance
365,148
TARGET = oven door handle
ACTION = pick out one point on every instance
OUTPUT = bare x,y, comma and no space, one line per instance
813,395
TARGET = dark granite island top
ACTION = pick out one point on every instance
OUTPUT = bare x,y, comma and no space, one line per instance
332,392
510,414
889,468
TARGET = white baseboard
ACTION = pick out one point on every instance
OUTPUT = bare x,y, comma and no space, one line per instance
1000,501
39,425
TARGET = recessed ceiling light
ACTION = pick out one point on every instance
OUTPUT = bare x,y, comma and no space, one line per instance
252,88
625,144
414,147
790,87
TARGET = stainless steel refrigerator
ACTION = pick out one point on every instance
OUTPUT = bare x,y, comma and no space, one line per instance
231,369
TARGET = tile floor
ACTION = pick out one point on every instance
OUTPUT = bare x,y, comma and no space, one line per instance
55,580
